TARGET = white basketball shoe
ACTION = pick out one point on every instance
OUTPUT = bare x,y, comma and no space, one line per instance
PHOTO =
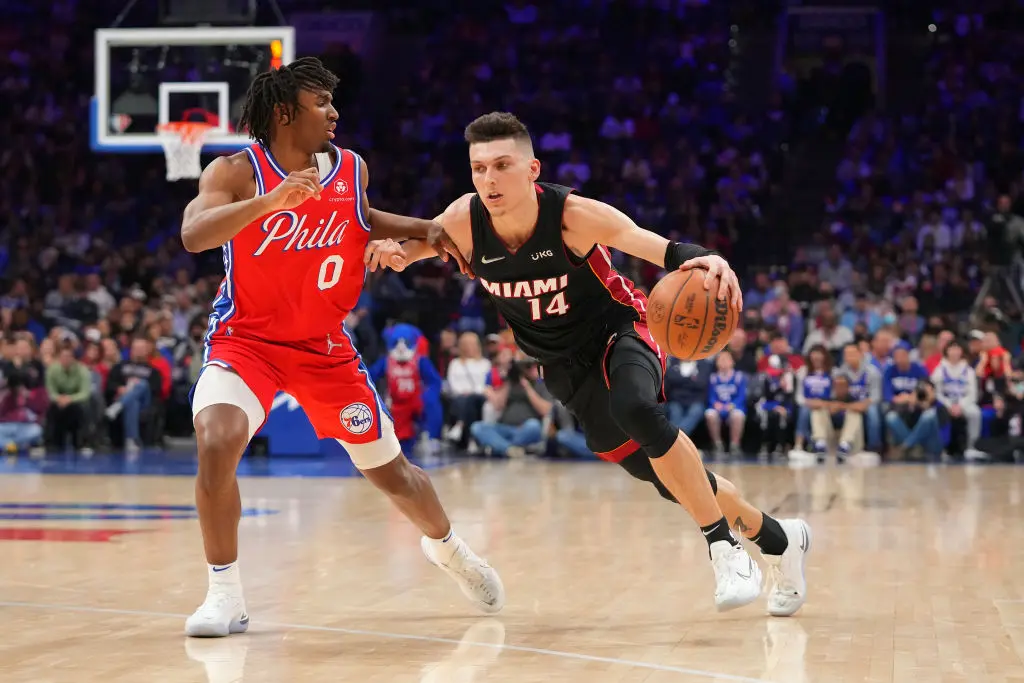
737,576
222,613
477,579
787,571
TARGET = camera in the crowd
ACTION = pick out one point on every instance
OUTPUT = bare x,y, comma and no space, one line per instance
518,369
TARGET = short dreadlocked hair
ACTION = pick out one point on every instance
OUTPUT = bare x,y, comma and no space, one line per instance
280,88
498,125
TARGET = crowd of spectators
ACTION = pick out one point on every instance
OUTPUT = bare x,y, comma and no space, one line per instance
103,313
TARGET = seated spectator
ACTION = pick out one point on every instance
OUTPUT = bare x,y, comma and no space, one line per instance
909,323
132,386
899,393
686,388
742,348
839,414
993,370
865,384
466,386
24,368
775,404
863,313
813,391
568,435
827,331
928,417
522,402
727,400
785,315
69,385
21,415
882,345
1006,440
956,388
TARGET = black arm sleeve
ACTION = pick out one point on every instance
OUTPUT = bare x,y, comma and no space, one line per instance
678,253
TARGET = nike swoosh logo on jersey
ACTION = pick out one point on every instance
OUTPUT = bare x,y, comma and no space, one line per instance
485,260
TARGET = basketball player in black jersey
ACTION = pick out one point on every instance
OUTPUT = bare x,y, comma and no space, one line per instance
541,252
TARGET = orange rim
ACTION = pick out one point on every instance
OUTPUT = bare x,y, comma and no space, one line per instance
189,131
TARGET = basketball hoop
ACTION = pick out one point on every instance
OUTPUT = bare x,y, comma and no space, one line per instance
182,142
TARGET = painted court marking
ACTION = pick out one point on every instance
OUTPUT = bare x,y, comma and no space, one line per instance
405,636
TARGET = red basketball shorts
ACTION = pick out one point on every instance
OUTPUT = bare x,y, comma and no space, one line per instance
333,386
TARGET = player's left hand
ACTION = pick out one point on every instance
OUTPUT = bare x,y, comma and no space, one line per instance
442,244
384,254
718,269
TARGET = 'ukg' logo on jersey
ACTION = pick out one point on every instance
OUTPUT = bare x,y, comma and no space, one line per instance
356,418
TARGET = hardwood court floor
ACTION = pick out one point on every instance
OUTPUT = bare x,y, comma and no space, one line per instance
916,575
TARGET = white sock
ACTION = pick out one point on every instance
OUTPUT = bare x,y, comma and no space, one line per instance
225,576
444,548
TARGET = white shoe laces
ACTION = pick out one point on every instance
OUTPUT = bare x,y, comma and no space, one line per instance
780,583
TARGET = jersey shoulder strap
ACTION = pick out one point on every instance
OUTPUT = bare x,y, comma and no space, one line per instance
551,198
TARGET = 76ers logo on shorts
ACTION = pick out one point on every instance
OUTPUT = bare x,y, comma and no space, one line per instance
356,418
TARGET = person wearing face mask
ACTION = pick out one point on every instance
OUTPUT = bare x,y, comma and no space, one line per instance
956,388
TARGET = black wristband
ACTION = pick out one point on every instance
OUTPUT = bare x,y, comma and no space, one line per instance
678,253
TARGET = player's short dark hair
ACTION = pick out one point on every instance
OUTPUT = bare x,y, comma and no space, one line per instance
280,88
498,125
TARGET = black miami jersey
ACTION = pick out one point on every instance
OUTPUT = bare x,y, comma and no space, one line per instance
556,303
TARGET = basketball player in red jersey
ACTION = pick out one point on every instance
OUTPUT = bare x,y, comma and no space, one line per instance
291,215
540,251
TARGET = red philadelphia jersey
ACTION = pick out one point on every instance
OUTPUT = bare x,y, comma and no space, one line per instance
291,277
404,385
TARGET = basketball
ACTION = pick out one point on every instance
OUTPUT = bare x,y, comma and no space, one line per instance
688,321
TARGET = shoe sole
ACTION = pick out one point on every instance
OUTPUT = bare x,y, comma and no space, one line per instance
487,608
214,630
803,574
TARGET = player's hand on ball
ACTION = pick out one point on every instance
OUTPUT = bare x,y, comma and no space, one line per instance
442,244
295,189
384,254
718,268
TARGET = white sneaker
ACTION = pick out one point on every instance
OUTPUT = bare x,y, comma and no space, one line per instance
789,583
222,613
737,576
477,579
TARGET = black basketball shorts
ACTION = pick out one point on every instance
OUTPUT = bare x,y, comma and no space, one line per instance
582,386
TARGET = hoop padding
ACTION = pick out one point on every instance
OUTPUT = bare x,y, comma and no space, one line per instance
183,142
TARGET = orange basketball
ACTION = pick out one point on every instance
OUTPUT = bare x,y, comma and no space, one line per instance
688,321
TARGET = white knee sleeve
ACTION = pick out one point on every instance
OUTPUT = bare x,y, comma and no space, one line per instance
218,385
366,456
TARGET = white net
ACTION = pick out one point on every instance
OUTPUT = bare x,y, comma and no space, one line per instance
183,142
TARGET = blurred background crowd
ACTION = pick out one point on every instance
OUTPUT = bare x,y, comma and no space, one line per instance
865,181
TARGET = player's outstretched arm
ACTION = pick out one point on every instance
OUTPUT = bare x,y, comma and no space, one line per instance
588,222
217,214
456,224
384,225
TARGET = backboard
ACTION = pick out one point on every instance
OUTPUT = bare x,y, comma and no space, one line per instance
149,76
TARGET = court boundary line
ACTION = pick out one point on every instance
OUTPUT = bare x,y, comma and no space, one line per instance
406,636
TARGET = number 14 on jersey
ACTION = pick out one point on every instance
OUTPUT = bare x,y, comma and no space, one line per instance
557,306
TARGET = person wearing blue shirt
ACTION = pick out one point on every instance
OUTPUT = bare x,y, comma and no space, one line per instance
866,389
899,393
727,399
813,390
